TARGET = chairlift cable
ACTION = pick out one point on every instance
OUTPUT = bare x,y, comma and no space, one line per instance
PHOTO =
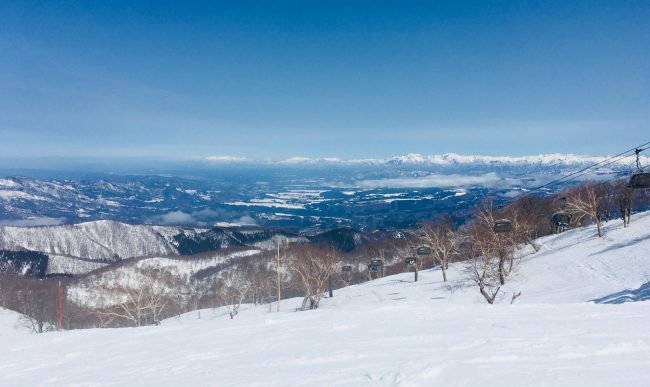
582,172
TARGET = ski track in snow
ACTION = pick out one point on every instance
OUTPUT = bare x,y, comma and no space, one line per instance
388,332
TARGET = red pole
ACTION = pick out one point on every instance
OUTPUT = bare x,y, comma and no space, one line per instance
60,308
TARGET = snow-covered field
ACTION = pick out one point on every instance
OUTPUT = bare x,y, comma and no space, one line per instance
388,332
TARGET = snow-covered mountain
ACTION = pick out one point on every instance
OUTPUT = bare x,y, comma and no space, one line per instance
567,328
101,240
446,159
301,193
81,248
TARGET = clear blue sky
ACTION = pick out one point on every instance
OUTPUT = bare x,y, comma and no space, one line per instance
348,79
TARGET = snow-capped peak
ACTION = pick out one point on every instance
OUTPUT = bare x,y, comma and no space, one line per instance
446,159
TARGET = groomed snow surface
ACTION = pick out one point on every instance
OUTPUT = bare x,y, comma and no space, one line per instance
571,326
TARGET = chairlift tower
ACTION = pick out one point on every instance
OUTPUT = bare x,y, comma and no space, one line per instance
639,179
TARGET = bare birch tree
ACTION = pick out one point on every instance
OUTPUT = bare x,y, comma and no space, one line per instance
442,240
585,202
142,304
311,269
235,289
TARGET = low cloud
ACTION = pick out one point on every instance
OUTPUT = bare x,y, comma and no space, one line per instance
176,217
200,218
204,217
487,180
31,222
512,194
246,221
226,159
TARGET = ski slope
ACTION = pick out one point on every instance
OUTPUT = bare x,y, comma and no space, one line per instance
389,332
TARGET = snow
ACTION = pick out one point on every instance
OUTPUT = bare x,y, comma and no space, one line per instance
107,202
295,199
490,179
180,266
8,183
93,240
10,324
7,195
390,332
272,203
58,264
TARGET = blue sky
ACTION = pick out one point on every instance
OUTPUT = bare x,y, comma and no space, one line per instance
268,79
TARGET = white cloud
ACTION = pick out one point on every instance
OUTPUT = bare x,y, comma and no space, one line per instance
175,217
247,221
30,222
243,221
226,159
439,181
297,160
202,217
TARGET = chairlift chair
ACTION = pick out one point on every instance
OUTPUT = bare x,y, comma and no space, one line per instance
374,265
561,218
502,226
639,180
410,261
560,221
424,250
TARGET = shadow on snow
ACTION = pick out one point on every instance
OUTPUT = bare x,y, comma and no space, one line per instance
627,295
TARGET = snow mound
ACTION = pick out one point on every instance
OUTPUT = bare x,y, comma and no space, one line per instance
10,324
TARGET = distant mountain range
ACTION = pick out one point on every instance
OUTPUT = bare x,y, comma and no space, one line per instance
299,194
447,159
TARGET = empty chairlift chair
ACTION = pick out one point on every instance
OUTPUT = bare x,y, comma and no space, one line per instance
560,222
502,226
640,180
375,266
424,250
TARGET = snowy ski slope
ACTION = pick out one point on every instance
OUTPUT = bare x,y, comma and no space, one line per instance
388,332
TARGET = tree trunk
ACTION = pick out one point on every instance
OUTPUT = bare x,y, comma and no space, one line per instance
533,244
502,274
488,298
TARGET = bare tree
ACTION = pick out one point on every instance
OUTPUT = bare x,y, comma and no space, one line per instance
585,203
525,223
235,288
311,268
262,282
442,240
623,195
492,254
143,304
484,268
496,245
